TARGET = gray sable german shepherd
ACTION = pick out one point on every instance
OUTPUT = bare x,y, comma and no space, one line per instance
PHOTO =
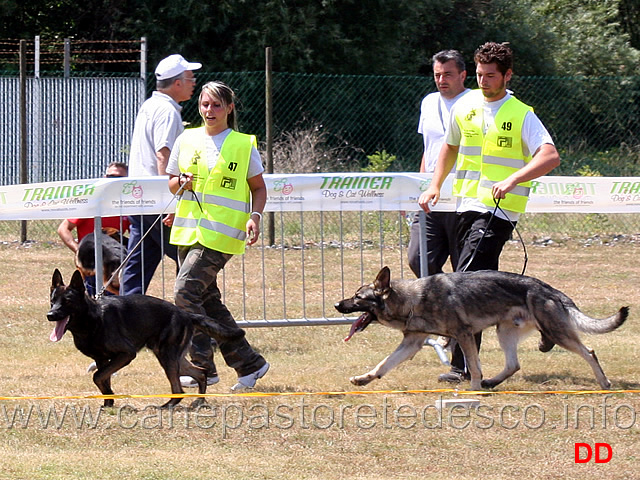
113,329
459,305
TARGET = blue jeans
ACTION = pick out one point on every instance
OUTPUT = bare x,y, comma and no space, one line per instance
144,260
90,286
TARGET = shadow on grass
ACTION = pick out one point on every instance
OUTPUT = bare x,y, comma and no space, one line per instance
556,381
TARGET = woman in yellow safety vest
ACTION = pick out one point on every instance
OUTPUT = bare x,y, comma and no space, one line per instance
218,172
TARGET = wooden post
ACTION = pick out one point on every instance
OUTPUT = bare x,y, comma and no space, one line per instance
67,58
23,127
143,58
269,134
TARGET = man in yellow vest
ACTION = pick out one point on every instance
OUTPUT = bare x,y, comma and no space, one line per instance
498,146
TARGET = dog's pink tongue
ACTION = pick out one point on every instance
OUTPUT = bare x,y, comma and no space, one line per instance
58,330
351,332
354,327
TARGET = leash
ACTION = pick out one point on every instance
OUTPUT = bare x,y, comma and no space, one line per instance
515,228
126,259
195,195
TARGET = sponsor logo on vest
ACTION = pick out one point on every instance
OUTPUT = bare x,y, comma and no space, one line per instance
470,115
470,133
505,142
228,183
196,157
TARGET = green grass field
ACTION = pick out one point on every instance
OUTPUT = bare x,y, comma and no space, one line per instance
303,428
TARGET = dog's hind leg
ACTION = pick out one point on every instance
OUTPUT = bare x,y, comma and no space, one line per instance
559,328
576,346
102,377
410,345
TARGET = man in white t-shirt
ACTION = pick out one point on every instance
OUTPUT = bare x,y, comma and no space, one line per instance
496,161
449,74
157,126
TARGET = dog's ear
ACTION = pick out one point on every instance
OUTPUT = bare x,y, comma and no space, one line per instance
382,284
56,280
76,281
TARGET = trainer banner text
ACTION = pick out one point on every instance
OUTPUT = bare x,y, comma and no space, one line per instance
305,192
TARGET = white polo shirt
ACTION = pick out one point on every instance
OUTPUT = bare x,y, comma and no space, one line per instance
158,125
434,119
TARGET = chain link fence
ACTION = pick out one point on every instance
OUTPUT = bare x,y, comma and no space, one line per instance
334,122
595,121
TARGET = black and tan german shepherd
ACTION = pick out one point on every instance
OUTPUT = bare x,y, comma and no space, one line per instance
459,305
113,329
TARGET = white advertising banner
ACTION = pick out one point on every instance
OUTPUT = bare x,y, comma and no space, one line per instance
305,192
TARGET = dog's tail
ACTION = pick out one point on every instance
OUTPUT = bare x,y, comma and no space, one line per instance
219,332
586,324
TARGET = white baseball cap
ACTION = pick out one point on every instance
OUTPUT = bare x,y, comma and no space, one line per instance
174,65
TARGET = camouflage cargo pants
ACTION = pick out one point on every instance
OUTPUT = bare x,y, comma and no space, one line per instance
196,291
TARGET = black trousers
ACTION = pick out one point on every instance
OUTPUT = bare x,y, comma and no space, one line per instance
440,231
480,241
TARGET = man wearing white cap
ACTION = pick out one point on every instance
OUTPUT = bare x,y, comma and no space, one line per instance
157,126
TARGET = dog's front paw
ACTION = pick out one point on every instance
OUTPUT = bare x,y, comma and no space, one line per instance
198,403
361,380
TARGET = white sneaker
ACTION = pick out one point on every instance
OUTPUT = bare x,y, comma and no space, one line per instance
249,381
93,367
190,382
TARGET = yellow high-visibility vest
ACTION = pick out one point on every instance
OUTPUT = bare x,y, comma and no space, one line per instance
223,193
487,158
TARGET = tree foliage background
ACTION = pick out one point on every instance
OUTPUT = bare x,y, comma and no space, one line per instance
549,37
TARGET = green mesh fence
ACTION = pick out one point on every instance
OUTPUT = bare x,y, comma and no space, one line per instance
595,122
333,122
